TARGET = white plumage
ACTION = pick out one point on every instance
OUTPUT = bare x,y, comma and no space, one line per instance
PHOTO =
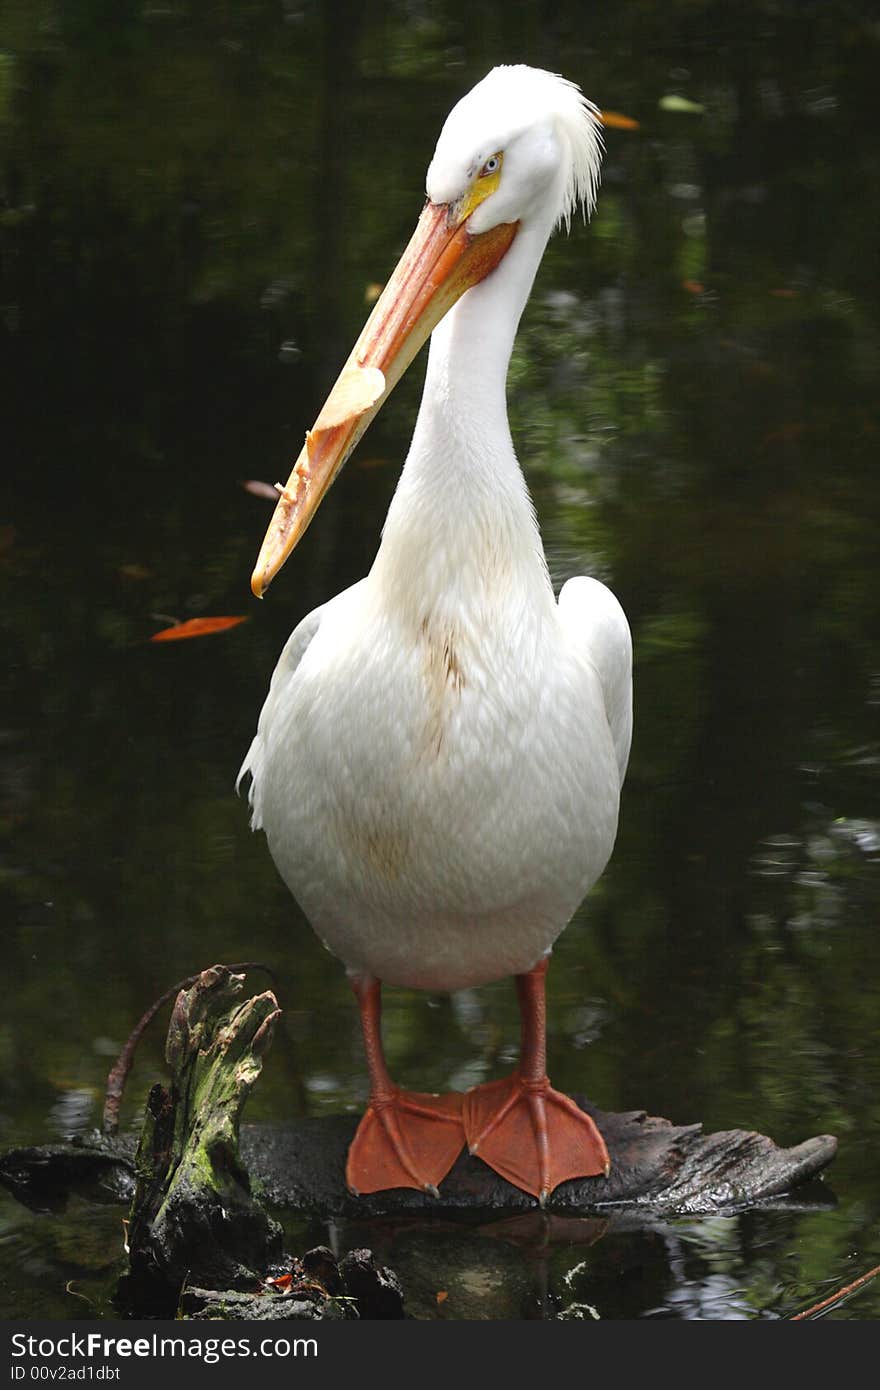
439,760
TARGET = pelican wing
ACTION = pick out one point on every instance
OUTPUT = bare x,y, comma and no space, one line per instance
597,625
284,674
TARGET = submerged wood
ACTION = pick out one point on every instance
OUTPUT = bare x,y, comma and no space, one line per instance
311,1288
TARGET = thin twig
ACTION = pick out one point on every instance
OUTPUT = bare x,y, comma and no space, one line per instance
836,1297
122,1066
73,1293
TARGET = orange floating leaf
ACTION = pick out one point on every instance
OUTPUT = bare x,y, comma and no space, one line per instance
195,627
615,120
693,286
442,1296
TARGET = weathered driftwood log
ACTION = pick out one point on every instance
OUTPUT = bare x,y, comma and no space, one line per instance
657,1167
193,1213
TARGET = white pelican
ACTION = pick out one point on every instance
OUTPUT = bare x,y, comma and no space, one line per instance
438,763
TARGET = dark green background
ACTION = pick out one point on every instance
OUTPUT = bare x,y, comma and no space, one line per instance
196,198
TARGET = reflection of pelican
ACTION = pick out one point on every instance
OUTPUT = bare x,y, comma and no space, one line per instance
439,759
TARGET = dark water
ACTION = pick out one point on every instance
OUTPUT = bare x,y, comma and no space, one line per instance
196,200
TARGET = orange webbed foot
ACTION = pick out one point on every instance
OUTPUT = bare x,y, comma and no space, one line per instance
405,1139
531,1135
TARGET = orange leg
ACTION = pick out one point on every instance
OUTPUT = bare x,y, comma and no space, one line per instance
405,1139
533,1136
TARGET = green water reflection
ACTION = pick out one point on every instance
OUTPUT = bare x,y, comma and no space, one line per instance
195,202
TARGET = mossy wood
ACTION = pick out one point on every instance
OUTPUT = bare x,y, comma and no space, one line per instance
193,1212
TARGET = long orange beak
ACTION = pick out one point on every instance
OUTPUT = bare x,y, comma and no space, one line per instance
442,260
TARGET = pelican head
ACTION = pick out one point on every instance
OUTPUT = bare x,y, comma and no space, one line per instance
533,135
521,150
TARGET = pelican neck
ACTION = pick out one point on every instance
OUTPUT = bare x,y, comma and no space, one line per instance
462,495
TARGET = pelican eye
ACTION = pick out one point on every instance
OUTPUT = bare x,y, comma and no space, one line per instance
485,183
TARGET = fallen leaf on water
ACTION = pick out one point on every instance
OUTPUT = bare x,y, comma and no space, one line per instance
683,104
442,1296
135,571
260,489
615,120
784,294
693,286
195,627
